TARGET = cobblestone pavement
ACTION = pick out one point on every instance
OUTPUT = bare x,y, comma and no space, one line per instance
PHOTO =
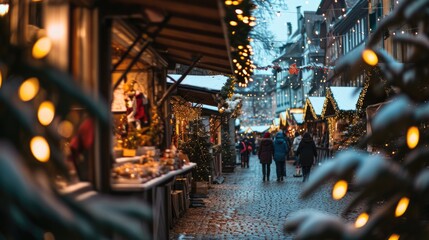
245,207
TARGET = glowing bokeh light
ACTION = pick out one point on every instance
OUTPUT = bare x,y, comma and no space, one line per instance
42,47
46,113
361,220
402,206
29,89
339,190
40,148
413,136
370,57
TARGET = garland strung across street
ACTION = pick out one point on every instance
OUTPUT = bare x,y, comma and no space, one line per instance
294,69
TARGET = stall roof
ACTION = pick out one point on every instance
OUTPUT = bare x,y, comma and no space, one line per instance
313,108
200,89
258,128
276,122
194,28
317,104
298,117
346,97
209,82
341,99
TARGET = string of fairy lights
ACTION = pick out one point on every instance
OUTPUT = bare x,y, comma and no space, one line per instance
240,22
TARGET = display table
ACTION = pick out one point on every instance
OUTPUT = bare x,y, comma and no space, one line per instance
158,181
157,193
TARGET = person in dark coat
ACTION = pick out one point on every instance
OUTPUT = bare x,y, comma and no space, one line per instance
265,154
307,154
281,150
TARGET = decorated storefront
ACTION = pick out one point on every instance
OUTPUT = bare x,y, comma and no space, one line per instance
340,112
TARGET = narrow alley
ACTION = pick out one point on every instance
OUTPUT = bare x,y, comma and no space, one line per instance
245,207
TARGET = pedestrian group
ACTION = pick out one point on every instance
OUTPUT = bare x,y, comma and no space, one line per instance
277,149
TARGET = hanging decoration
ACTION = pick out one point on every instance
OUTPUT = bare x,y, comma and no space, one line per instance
293,69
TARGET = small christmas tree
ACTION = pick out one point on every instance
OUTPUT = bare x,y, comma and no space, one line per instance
198,149
228,158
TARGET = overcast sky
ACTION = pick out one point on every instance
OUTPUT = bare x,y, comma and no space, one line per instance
278,26
278,23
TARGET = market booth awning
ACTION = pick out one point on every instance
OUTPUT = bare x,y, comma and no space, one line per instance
340,99
181,30
313,108
298,118
199,88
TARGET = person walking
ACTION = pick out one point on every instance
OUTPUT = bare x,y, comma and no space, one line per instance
280,153
265,155
245,149
307,154
295,146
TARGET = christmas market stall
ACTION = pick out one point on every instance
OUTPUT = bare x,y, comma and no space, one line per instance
313,120
340,111
219,110
99,71
294,119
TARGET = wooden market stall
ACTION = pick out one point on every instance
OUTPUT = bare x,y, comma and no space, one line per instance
119,53
340,111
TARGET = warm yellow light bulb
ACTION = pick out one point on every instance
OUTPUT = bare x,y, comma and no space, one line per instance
394,237
233,23
65,129
339,190
29,89
370,57
252,24
361,220
42,47
46,113
228,2
238,11
413,136
402,206
40,148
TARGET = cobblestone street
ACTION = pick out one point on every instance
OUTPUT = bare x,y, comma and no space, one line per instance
245,207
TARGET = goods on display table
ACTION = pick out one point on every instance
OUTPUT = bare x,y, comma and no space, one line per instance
140,169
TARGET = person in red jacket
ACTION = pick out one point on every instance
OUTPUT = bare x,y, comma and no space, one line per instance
245,150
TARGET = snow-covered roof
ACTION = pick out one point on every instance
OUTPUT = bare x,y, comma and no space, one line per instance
317,103
260,128
276,121
209,107
299,117
346,97
210,82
